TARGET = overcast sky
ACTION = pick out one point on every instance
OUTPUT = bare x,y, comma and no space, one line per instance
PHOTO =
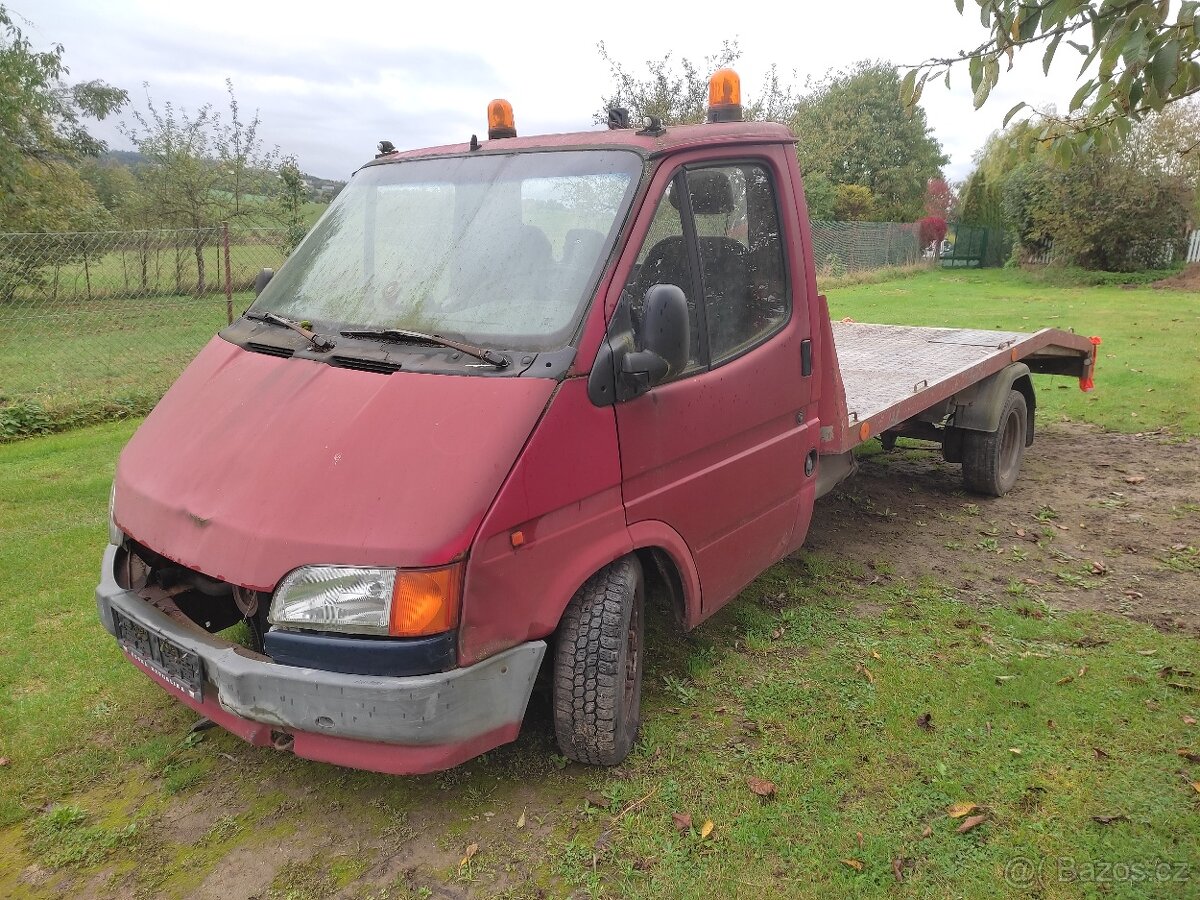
332,79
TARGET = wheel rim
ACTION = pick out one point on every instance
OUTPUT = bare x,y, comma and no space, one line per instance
632,656
1010,447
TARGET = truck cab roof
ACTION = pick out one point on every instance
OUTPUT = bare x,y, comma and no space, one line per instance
672,137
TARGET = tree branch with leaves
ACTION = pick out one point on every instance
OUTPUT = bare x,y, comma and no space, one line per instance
1136,56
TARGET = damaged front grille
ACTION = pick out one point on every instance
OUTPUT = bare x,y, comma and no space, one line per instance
189,597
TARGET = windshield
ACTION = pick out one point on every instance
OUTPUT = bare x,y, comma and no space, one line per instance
500,250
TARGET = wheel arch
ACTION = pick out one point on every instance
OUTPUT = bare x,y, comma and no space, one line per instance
668,569
978,407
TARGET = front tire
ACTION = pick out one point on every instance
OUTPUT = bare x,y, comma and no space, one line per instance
991,460
598,666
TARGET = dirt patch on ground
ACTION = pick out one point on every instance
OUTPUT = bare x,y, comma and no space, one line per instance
1187,280
1098,521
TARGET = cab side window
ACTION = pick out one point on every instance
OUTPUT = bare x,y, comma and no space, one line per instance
664,259
746,297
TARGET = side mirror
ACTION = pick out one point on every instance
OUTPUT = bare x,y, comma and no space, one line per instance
261,280
666,338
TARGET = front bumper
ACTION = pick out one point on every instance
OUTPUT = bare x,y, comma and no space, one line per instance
399,725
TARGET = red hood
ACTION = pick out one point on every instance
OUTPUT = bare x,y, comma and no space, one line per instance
252,465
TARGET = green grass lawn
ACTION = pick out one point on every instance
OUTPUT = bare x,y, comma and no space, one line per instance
1148,375
1064,729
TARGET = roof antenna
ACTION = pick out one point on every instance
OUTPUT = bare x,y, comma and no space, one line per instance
474,143
385,147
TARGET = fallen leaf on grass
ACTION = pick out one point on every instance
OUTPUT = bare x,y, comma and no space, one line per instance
925,721
1015,751
968,824
521,820
682,821
762,787
1146,652
1196,785
1004,679
1180,686
1189,720
1100,754
852,863
4,761
706,829
859,838
926,832
875,654
863,670
1188,755
1108,820
472,849
899,864
1066,679
1172,672
958,810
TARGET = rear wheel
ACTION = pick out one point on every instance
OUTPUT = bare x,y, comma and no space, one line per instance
991,461
598,666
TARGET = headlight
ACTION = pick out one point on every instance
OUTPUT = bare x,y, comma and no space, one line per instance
115,535
398,602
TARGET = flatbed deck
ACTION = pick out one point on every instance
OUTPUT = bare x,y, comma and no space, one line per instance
891,373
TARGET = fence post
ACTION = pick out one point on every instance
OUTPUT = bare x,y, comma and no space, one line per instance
228,274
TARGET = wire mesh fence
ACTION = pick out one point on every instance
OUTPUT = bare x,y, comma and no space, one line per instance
98,325
843,248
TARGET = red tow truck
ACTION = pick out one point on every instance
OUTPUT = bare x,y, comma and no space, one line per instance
501,394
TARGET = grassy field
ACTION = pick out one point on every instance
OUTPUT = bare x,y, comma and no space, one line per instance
873,705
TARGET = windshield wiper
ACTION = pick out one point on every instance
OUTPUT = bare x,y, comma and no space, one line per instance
318,342
401,335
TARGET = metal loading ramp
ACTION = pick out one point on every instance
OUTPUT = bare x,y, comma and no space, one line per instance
893,372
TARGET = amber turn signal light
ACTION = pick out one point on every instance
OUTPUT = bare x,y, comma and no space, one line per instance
725,96
425,602
500,120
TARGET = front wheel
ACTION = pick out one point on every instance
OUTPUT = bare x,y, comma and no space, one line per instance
991,460
598,666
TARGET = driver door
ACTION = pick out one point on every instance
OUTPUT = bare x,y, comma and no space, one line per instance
718,452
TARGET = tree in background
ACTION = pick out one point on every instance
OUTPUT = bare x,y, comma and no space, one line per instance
1103,211
41,116
853,129
853,203
1170,142
981,198
679,94
821,195
1144,60
292,197
201,169
41,133
940,200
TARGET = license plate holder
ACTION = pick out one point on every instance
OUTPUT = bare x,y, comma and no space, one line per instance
176,665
